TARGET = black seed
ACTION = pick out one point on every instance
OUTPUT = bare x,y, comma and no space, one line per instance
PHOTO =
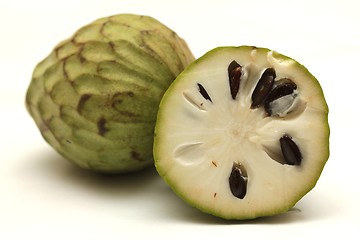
281,88
203,92
290,150
234,72
238,181
263,87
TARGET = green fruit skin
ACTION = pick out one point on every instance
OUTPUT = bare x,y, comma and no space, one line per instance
95,97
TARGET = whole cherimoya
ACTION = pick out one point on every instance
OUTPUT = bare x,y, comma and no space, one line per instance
95,97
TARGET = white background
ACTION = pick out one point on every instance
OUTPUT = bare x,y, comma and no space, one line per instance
42,196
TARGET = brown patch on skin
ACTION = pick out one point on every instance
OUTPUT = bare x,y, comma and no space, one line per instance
112,45
101,126
145,32
82,101
57,49
103,27
125,93
81,57
215,195
117,97
73,40
128,114
214,163
66,75
136,156
130,93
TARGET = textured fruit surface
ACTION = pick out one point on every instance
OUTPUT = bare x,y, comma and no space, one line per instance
96,96
242,133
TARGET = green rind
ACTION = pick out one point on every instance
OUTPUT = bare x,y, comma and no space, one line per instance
184,195
95,97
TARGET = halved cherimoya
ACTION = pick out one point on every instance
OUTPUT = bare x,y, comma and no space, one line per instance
242,132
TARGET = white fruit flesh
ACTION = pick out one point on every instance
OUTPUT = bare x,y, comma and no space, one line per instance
197,141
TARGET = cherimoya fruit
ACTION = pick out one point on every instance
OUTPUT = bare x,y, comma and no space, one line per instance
95,97
242,132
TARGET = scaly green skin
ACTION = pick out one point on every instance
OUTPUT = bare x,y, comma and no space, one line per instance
95,97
